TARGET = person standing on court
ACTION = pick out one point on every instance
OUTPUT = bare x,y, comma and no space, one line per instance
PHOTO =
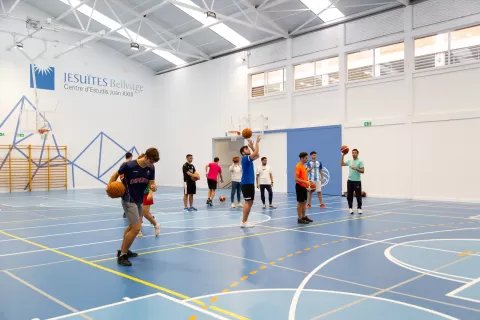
189,186
248,178
265,182
315,174
138,175
301,185
213,170
236,177
354,183
128,157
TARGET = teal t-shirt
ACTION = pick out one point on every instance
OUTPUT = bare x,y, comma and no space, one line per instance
354,175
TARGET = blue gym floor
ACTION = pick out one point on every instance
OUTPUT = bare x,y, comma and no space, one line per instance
401,259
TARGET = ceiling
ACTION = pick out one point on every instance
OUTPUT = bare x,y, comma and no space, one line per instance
176,33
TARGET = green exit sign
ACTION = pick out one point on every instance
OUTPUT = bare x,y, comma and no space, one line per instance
2,134
367,124
21,135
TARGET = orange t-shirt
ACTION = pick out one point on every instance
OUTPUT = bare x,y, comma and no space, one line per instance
301,172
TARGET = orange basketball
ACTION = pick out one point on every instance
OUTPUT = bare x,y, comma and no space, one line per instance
344,149
247,133
221,198
196,176
312,186
115,189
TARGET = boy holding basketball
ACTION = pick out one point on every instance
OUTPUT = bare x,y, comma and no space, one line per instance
354,183
138,175
315,174
248,178
190,185
301,186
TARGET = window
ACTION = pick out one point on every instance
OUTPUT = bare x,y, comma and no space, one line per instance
266,83
453,47
378,62
316,74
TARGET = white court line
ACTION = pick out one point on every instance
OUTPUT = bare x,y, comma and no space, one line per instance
301,287
79,201
43,293
326,291
454,293
180,302
417,269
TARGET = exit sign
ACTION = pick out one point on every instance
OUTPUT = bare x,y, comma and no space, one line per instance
21,135
367,124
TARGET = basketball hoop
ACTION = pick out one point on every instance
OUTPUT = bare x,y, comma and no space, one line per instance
43,133
233,135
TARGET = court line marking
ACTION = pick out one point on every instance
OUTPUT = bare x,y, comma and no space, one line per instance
247,236
337,279
43,293
417,269
348,305
158,294
453,294
327,291
301,287
427,215
79,201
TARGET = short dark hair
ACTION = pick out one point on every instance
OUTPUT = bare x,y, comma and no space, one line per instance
242,149
303,155
264,158
216,159
356,150
312,153
188,155
128,155
152,154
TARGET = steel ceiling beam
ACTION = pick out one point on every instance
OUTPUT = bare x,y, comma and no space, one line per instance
266,19
317,15
80,43
404,2
72,9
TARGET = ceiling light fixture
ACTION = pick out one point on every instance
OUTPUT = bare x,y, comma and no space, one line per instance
211,16
134,46
19,45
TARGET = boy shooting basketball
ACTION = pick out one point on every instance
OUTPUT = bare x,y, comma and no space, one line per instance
248,178
138,175
354,183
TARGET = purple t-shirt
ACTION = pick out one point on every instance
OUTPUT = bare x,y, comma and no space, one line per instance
136,179
215,169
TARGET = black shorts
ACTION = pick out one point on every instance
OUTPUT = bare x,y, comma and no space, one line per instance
212,184
190,187
248,191
302,193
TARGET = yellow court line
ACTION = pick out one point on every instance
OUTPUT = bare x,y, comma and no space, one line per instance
148,284
465,253
248,236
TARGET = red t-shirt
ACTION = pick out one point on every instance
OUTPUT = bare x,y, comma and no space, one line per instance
301,172
215,169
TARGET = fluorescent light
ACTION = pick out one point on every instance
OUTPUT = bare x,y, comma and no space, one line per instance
221,29
134,46
113,25
329,14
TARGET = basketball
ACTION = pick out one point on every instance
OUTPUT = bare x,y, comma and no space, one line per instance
115,189
312,186
247,133
344,149
364,194
221,198
196,176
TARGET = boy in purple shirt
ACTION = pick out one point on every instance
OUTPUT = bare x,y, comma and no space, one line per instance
213,170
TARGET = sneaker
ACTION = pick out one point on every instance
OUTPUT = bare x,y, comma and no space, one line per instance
123,261
302,221
323,206
246,225
351,211
124,215
309,206
186,209
140,234
264,206
240,205
233,205
130,254
272,207
208,201
157,230
193,209
360,211
307,219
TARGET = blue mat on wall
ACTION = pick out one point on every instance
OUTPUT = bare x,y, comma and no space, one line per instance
326,141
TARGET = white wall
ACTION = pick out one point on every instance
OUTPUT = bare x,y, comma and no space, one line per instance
438,107
80,116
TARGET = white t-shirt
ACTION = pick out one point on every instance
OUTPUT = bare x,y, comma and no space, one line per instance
263,173
236,171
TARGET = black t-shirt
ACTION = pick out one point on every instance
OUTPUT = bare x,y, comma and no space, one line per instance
136,179
188,167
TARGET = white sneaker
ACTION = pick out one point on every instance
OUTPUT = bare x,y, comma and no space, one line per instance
351,211
157,230
240,205
233,205
360,211
140,234
264,206
246,225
